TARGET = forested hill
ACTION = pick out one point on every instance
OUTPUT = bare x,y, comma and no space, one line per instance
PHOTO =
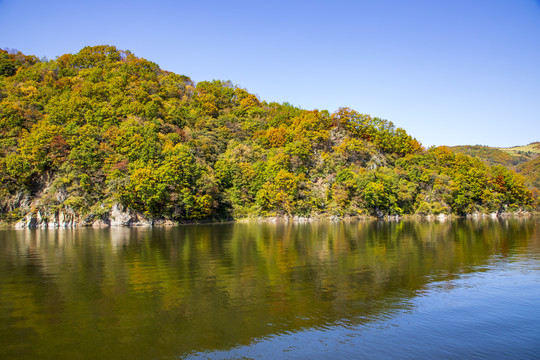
87,134
525,160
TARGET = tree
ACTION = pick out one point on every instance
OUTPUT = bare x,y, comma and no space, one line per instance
7,67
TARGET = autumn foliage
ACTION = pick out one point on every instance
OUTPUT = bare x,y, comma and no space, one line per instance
86,130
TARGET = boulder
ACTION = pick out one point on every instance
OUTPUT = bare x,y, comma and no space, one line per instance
99,223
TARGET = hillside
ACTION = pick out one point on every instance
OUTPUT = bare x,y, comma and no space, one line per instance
522,159
532,150
493,156
105,137
531,171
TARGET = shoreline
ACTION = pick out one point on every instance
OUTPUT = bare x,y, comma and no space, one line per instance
32,222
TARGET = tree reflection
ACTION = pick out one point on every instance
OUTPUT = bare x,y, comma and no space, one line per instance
149,292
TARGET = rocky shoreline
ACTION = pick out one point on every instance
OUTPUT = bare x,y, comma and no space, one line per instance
118,216
122,216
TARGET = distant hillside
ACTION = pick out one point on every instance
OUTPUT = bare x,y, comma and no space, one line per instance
525,160
493,156
532,150
531,171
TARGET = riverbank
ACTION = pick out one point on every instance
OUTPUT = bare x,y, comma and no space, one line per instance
120,216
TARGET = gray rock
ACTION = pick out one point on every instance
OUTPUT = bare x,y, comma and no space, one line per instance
121,216
41,221
100,223
67,219
29,221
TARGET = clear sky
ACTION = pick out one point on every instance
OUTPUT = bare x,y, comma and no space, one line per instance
449,72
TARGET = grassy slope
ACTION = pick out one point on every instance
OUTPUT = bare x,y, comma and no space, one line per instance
532,150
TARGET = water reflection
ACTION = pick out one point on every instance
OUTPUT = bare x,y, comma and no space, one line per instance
166,292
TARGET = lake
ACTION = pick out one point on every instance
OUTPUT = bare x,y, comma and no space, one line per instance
327,290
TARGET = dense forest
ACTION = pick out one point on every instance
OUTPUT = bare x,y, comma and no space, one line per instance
87,134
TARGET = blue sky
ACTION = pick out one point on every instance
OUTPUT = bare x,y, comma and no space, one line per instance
449,72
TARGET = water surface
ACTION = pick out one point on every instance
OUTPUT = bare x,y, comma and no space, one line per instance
418,289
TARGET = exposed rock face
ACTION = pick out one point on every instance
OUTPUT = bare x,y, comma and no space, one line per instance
39,219
67,219
100,223
53,222
29,221
120,216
